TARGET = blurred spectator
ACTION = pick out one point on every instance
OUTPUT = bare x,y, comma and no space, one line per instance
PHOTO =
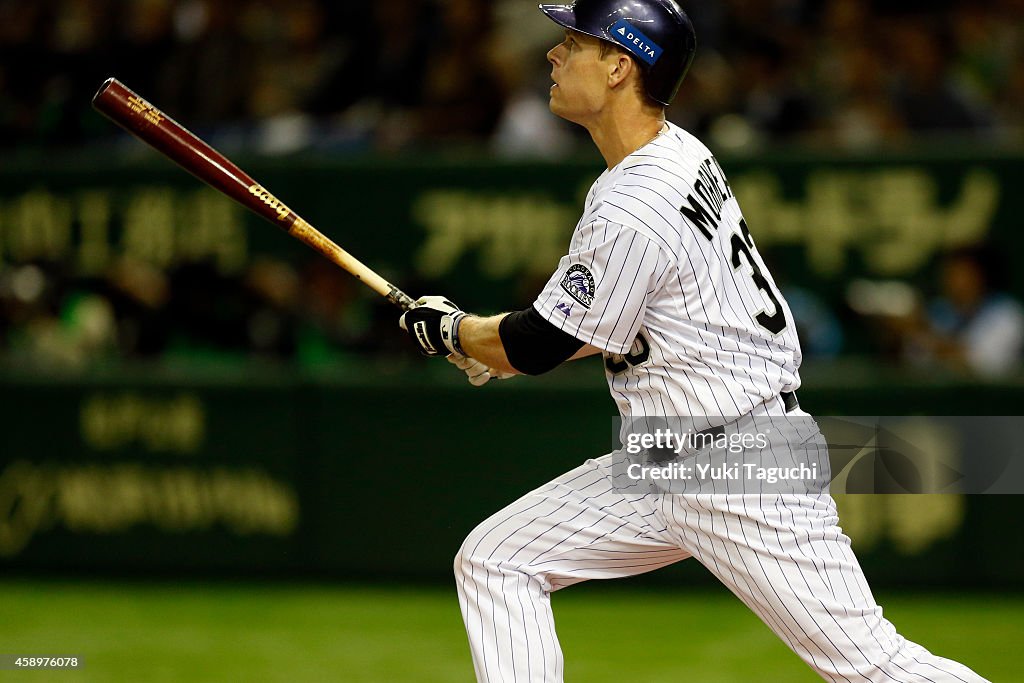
380,58
209,74
461,96
820,332
973,323
138,293
335,316
926,96
1011,102
526,127
253,315
776,104
972,326
863,115
290,67
146,32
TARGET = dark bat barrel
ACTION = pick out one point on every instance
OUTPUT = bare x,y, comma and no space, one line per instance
140,118
152,126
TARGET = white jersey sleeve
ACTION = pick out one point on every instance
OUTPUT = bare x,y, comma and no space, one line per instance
601,288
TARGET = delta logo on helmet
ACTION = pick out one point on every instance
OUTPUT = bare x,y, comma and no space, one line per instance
632,39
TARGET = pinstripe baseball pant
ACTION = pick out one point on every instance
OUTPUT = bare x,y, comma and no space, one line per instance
783,555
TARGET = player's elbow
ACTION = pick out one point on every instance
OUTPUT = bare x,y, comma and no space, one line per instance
533,345
505,368
537,366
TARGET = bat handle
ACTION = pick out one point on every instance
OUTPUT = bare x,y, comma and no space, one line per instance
312,237
400,298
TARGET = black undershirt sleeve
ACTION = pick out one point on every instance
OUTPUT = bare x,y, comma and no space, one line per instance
533,345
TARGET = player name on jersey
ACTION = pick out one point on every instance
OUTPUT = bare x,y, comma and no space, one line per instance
713,190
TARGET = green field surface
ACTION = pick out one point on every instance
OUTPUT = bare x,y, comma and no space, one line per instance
133,631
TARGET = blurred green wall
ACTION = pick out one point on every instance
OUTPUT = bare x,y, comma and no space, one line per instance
346,474
490,233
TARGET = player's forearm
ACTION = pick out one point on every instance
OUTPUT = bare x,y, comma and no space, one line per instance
480,339
539,347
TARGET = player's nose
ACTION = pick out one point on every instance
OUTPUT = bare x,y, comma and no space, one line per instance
553,55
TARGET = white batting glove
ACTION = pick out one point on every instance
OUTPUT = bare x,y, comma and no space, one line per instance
432,325
478,373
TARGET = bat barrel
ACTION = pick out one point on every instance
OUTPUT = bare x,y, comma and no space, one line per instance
133,113
125,108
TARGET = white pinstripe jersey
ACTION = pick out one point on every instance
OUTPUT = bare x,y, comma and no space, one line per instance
663,276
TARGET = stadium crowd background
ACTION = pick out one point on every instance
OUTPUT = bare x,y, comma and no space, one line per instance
406,77
388,75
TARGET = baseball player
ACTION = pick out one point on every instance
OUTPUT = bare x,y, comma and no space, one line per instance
663,279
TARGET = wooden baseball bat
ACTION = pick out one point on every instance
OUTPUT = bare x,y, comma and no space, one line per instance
140,118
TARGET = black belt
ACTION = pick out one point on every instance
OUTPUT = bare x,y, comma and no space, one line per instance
788,401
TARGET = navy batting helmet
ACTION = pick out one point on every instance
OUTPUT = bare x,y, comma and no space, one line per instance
656,32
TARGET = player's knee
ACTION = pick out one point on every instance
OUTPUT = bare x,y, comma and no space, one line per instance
475,555
467,562
461,565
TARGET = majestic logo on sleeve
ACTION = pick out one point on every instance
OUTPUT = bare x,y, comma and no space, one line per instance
578,282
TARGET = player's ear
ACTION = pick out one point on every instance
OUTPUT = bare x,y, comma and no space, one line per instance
619,70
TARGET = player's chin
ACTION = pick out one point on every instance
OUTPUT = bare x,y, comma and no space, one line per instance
556,105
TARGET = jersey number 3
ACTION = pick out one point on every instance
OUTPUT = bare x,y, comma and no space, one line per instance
774,322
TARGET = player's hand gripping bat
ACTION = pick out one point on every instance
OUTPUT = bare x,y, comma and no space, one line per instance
149,124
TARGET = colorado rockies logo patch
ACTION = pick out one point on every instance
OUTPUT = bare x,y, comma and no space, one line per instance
578,282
